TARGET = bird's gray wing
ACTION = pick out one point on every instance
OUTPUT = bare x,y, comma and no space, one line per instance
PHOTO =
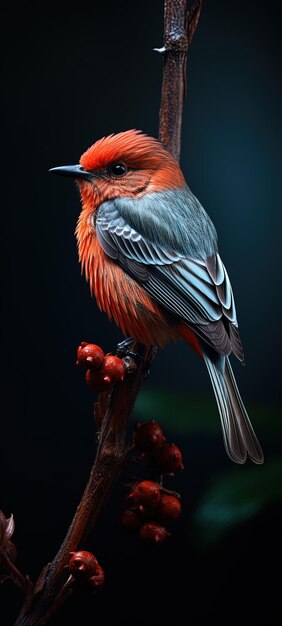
197,292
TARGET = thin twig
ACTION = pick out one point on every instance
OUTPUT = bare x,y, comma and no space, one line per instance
24,583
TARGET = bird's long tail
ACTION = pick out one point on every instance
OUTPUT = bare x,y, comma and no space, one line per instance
239,436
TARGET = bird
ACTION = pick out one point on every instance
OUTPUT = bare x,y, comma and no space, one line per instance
150,253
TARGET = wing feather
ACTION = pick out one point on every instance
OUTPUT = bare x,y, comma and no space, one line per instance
194,290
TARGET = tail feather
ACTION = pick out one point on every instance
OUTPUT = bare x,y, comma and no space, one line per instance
239,436
248,434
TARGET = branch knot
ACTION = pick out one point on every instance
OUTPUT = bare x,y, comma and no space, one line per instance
176,42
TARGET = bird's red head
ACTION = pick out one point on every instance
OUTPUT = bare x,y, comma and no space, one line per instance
127,164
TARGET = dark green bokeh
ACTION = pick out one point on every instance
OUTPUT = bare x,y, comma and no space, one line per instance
70,75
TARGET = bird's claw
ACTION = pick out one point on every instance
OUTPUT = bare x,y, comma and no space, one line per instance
124,351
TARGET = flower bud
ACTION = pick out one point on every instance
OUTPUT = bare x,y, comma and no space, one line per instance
90,356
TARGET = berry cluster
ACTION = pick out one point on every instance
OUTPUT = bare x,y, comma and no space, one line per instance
164,457
102,372
85,570
151,505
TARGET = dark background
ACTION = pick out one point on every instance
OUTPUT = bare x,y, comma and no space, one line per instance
71,74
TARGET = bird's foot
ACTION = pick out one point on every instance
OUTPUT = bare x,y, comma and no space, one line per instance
125,350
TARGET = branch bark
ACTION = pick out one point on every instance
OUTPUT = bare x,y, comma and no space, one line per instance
179,27
54,584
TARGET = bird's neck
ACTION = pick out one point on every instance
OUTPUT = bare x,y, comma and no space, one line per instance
167,177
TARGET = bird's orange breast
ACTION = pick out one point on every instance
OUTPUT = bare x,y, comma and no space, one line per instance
119,295
116,293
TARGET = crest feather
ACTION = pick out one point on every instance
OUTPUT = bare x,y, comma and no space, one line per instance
133,147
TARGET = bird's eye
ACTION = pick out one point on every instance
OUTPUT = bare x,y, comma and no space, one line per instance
117,169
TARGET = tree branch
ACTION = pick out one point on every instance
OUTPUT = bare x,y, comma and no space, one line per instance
113,410
179,27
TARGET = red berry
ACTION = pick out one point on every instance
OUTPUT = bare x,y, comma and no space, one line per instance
169,508
148,436
131,520
112,371
98,381
147,493
97,580
151,532
82,564
89,355
170,459
114,367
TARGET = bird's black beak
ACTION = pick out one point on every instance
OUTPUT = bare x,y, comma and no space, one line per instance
75,171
